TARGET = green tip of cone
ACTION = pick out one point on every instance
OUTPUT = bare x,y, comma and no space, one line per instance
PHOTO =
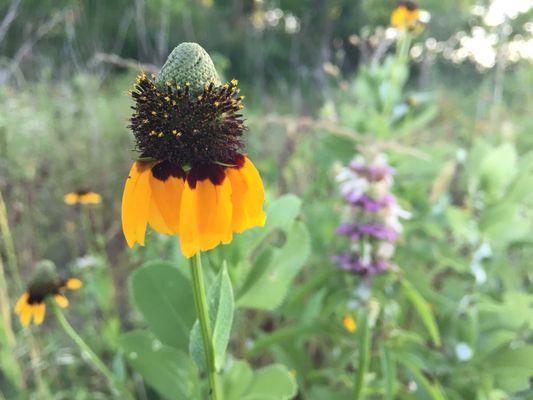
189,64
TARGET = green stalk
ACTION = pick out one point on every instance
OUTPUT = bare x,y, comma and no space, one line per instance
9,244
364,356
7,329
116,386
400,58
200,300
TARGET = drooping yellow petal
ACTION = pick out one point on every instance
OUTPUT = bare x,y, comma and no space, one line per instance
71,198
155,219
188,228
73,283
21,302
205,216
248,196
39,311
90,198
167,197
136,202
215,207
26,314
61,300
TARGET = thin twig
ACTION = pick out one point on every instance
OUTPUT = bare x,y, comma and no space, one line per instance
302,123
124,62
9,18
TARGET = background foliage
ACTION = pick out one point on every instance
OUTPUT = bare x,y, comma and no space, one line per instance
454,323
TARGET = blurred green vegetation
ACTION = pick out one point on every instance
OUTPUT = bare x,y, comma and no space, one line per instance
459,137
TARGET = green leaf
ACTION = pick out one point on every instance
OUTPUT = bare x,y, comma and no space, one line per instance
498,169
281,214
166,369
273,382
512,367
272,276
431,386
221,306
389,372
237,380
422,308
163,295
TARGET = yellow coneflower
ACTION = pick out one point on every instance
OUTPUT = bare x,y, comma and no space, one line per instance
192,178
406,15
82,196
45,285
349,323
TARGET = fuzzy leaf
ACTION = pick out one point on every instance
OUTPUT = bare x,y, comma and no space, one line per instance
271,282
166,369
221,306
163,295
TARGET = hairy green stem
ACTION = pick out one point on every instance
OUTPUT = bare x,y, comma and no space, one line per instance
116,386
7,329
9,244
200,300
364,355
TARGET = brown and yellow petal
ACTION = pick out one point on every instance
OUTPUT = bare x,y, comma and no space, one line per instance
73,283
26,314
166,196
205,216
22,302
39,311
90,198
61,300
248,196
71,198
136,203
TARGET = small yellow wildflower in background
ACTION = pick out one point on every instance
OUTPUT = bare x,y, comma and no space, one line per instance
82,196
349,323
406,15
45,284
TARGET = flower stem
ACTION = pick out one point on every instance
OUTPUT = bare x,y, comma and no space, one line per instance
364,354
9,245
116,386
200,300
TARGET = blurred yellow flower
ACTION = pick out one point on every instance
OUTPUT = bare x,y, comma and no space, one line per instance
32,303
82,196
349,323
406,15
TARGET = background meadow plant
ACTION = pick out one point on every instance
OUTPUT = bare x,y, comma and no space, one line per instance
324,82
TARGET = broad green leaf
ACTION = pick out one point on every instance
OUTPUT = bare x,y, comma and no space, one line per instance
221,306
237,380
513,367
422,308
272,282
498,169
163,295
166,369
281,214
272,382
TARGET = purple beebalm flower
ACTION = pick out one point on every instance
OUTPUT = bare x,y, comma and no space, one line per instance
366,185
379,231
371,205
375,229
351,262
